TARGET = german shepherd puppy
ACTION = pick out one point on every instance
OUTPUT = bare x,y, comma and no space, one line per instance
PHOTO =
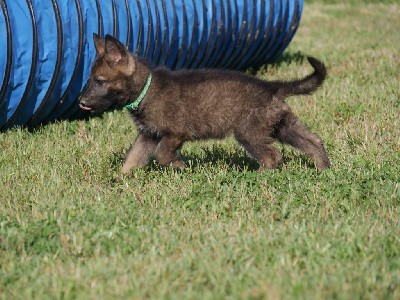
186,105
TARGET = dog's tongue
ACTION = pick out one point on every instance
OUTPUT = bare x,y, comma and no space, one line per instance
84,107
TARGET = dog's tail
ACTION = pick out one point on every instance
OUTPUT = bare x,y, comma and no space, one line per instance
306,85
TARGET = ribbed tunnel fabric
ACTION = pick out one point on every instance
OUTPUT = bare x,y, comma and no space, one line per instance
46,46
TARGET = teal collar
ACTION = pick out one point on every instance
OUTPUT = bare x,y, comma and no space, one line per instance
135,104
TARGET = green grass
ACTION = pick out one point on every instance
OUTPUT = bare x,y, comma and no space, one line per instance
220,229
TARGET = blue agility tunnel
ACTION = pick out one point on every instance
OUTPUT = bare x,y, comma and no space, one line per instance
46,46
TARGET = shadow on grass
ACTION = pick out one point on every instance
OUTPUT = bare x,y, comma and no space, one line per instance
289,58
286,58
216,157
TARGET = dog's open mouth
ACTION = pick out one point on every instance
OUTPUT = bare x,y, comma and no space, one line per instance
84,107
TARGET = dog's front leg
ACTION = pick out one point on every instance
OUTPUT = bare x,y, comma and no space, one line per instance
140,152
167,152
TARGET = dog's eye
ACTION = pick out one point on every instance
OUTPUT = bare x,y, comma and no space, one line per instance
99,80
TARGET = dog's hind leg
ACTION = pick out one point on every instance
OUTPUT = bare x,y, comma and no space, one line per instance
140,152
294,133
259,146
167,151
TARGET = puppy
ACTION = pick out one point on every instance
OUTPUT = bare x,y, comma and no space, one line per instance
172,107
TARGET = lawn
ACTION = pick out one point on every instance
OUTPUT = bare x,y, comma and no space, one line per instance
220,229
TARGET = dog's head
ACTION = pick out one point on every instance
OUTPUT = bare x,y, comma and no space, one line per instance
110,77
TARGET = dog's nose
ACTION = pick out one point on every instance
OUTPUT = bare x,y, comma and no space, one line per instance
83,105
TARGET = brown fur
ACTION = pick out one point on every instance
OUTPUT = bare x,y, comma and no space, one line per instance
190,105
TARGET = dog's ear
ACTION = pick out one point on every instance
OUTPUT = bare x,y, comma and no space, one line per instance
116,53
100,44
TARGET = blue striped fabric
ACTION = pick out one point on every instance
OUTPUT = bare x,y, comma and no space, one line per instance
47,48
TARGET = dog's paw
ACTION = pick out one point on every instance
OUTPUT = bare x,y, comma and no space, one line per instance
178,164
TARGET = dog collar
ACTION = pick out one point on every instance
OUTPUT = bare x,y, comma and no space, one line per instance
135,104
